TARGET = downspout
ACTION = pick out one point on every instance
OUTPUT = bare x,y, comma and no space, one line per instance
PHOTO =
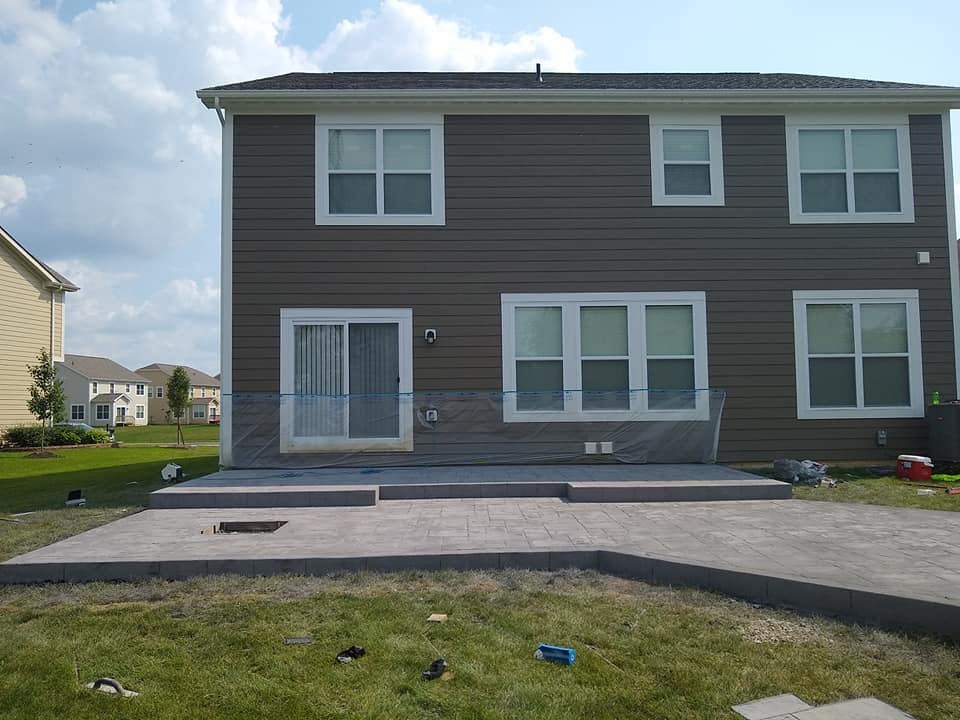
53,321
216,106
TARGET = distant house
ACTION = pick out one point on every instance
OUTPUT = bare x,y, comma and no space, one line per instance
101,392
31,319
204,394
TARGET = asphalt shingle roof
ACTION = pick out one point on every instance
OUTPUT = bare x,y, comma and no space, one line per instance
198,378
101,368
557,81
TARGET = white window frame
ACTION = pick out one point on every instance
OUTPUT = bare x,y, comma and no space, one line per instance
140,412
202,410
898,122
380,122
141,389
74,415
94,387
159,392
106,415
289,319
802,298
636,304
710,123
113,388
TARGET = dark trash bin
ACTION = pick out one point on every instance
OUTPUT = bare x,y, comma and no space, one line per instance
943,421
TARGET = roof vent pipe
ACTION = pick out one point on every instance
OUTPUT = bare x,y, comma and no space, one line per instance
539,74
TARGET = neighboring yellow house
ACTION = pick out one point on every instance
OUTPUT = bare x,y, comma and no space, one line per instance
204,407
31,319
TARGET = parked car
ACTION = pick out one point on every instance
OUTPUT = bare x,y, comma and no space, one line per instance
77,424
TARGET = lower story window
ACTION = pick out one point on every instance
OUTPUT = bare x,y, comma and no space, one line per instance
604,356
103,412
858,354
77,412
346,378
199,412
140,412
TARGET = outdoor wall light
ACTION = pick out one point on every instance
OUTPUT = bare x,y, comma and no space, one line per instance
430,336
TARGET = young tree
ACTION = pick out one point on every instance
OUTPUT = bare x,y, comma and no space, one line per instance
47,402
178,397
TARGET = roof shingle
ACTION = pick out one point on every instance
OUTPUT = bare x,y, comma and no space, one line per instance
558,81
101,368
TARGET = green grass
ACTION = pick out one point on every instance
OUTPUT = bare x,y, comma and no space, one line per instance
167,433
213,648
115,482
879,491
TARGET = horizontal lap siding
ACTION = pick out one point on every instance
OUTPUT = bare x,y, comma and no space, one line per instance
551,204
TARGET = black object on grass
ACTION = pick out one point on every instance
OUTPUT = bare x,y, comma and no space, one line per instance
437,668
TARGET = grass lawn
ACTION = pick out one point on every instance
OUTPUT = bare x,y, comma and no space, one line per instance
879,491
115,482
213,648
167,433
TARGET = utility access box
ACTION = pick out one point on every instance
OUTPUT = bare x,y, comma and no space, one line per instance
943,421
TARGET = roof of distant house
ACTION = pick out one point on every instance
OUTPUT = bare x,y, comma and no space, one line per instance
560,81
52,277
101,368
107,397
197,377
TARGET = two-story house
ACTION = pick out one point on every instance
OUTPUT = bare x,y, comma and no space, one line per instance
523,267
102,393
32,310
204,395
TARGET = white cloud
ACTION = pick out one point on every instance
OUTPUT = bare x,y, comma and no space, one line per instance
177,323
101,122
12,190
419,40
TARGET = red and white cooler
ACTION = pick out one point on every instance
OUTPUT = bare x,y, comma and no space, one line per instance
914,467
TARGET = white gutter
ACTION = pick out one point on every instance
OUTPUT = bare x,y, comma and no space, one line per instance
944,96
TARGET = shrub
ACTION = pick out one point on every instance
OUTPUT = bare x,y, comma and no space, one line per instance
97,436
29,436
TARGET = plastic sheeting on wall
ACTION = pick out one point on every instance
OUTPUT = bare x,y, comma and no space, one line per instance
465,428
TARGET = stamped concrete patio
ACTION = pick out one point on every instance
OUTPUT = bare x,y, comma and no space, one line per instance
886,566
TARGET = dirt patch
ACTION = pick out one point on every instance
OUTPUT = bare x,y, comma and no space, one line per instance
41,455
768,629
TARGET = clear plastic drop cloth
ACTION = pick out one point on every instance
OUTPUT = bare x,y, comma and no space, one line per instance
467,428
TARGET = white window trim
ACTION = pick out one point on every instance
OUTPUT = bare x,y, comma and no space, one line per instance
82,413
710,123
802,298
419,121
289,318
571,302
97,412
140,412
202,410
141,389
159,392
899,123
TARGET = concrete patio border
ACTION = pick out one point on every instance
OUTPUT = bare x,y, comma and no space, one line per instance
884,610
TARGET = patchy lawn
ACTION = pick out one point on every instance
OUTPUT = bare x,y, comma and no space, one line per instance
879,491
213,647
115,482
167,433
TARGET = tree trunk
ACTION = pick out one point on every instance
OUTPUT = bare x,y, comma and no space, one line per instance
179,432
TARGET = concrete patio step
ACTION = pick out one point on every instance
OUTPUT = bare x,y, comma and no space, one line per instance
191,495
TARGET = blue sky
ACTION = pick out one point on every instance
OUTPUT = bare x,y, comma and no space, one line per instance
110,169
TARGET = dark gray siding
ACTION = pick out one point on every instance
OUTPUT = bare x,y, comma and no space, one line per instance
563,203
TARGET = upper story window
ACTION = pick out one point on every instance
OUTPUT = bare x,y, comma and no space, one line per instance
94,387
141,388
843,173
159,391
686,160
380,174
113,387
